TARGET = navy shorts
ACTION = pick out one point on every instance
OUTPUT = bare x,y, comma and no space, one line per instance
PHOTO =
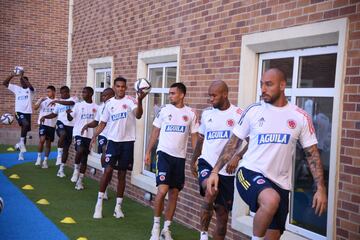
170,171
102,141
120,155
23,117
249,185
47,132
225,195
68,130
83,142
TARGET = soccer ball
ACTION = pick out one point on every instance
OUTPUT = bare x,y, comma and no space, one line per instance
18,70
7,118
142,85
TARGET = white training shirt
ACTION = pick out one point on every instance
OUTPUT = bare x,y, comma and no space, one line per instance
274,132
175,126
216,126
60,110
83,113
23,98
120,118
98,116
45,109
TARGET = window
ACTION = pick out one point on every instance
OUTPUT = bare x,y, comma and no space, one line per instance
161,76
325,33
310,85
102,81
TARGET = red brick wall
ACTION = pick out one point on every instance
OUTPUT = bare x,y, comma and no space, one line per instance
209,34
33,34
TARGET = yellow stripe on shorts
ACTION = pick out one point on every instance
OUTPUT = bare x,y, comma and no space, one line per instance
243,181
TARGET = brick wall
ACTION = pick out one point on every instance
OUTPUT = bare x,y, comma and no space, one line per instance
209,34
33,34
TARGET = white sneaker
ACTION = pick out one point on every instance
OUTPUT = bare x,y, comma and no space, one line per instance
204,236
98,211
17,146
75,176
38,162
155,232
45,164
60,174
21,156
165,235
79,185
22,147
118,212
58,161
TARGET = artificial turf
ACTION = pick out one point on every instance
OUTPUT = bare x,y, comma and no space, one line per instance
65,201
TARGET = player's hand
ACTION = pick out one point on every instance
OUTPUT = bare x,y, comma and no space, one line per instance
194,170
141,95
42,120
320,201
85,128
232,165
212,183
147,158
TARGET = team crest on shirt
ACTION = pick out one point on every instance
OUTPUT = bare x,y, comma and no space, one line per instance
291,123
185,118
124,106
230,122
94,110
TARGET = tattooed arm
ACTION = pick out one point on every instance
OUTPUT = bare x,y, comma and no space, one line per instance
231,148
316,168
196,154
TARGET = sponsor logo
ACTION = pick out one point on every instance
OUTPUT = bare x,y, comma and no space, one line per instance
260,181
218,135
291,123
280,138
185,118
230,122
169,117
261,122
175,128
87,116
118,116
209,120
23,97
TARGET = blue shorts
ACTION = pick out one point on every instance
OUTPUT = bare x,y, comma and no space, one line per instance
120,155
47,132
83,142
68,130
102,141
225,195
170,171
249,185
21,118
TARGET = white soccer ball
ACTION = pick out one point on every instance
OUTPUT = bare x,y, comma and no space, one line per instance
7,118
18,70
142,85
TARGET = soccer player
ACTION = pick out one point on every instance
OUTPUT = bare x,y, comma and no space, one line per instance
174,123
102,139
119,116
214,131
64,127
264,178
47,129
23,108
83,113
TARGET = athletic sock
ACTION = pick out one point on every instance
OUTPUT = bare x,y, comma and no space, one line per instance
62,167
22,140
77,167
100,198
60,152
257,238
119,201
167,224
39,155
156,222
81,176
46,158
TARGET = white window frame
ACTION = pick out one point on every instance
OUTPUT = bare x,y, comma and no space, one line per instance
294,92
162,90
94,65
163,55
325,33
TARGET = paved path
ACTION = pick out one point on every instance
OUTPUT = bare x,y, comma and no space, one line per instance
20,218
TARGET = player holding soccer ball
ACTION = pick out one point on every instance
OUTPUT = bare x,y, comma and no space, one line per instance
47,129
23,109
119,115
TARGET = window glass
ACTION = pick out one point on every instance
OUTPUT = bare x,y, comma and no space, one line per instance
156,77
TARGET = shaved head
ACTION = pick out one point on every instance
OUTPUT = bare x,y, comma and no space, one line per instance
220,85
280,75
218,93
273,84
